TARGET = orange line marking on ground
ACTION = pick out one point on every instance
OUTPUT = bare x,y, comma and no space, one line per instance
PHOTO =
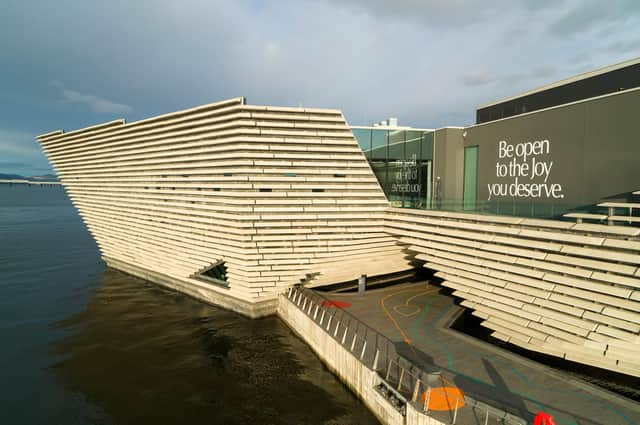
405,337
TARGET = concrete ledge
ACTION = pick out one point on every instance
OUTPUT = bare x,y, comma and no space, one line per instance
200,292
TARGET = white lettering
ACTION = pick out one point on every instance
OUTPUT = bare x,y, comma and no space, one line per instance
526,160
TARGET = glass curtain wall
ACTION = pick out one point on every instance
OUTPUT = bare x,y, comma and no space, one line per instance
401,160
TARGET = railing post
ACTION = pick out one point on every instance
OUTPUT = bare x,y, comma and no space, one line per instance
329,323
426,400
364,346
322,318
375,360
455,412
344,336
353,342
416,390
316,313
400,379
310,306
335,333
486,417
386,377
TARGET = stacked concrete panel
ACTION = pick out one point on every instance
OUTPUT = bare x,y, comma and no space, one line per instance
272,192
566,289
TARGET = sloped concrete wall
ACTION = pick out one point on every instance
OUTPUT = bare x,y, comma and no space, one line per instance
273,192
570,290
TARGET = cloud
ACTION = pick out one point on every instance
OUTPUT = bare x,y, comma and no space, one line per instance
428,62
623,46
17,143
477,79
20,153
9,164
98,104
584,16
442,13
482,78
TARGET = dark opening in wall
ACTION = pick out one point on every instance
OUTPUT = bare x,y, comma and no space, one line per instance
317,190
216,273
228,174
290,175
216,189
340,175
265,190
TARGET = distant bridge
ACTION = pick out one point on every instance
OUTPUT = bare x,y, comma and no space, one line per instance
27,182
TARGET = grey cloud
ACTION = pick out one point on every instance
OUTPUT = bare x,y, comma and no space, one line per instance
623,46
97,104
446,13
481,78
477,79
10,164
543,72
433,12
17,143
583,16
426,62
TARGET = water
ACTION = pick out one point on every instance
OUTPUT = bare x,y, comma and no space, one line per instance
84,344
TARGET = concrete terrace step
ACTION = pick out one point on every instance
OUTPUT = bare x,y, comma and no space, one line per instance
343,271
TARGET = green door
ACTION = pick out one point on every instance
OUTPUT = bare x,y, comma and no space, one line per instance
470,190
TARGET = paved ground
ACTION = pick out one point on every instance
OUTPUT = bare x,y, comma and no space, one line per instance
416,314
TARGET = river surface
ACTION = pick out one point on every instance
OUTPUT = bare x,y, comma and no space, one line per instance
85,344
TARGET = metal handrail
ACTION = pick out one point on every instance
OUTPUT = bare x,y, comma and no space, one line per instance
339,324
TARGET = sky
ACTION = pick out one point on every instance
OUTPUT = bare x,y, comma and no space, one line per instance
72,63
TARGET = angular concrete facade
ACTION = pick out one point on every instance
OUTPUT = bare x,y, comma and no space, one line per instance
570,290
275,193
284,195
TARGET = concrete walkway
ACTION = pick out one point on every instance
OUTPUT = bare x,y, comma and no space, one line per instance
415,316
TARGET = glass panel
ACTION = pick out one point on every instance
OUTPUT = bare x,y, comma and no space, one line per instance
412,145
363,136
470,191
396,145
426,152
379,144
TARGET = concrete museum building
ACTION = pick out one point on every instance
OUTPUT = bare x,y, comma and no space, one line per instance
530,215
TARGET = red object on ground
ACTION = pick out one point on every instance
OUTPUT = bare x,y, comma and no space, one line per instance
543,418
336,304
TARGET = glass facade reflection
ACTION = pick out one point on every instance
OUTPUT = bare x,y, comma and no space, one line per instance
401,159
